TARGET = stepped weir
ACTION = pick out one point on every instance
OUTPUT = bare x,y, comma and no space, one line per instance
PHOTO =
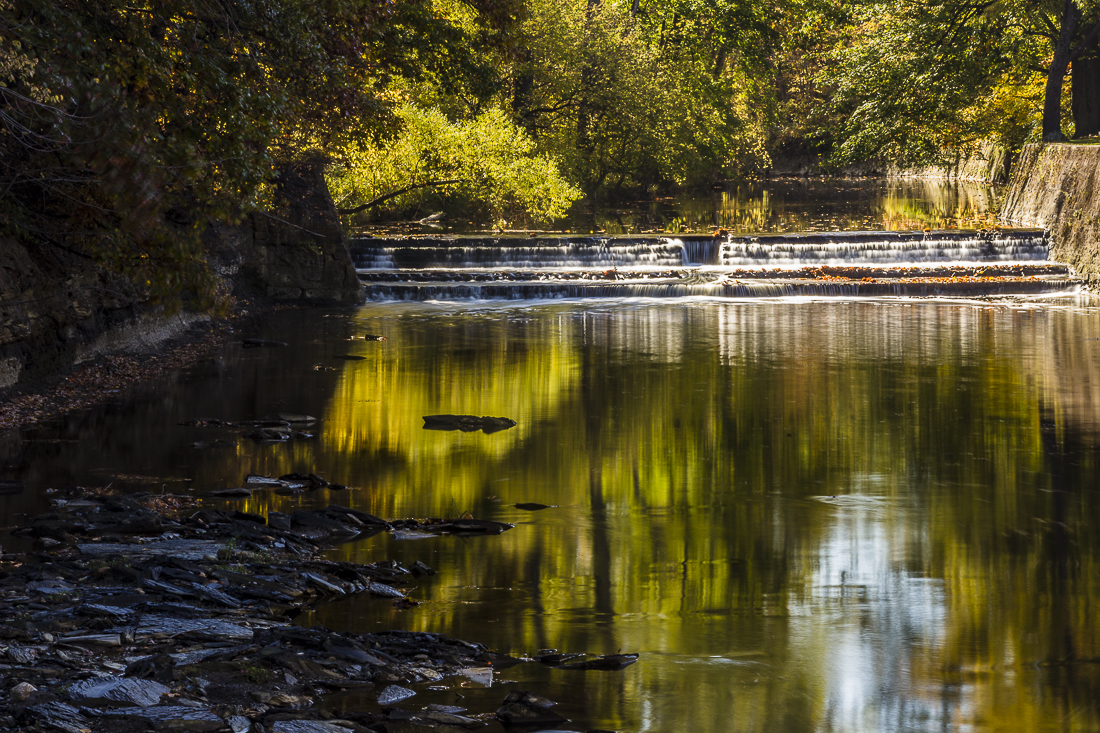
846,264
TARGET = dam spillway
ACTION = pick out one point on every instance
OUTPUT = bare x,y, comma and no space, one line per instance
848,264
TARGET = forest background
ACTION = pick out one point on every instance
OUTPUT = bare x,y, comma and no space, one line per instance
129,127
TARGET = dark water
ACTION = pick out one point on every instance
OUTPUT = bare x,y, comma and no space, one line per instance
830,516
771,205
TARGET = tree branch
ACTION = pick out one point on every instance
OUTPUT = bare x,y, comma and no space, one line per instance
398,192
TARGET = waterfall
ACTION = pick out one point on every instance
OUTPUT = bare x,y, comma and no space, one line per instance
821,264
828,248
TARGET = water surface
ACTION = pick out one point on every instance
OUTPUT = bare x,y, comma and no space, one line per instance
769,205
857,516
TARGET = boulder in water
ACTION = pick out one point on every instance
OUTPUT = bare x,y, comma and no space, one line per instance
528,709
467,423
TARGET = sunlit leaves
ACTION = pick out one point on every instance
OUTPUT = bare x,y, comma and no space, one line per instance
492,162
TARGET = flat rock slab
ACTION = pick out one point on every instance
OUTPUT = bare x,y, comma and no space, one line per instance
112,690
172,717
306,726
185,549
208,629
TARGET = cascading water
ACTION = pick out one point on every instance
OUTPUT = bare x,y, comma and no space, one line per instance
874,263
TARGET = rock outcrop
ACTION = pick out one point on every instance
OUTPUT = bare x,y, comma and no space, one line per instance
1057,187
295,252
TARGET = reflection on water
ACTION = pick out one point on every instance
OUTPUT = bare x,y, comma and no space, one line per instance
829,516
806,204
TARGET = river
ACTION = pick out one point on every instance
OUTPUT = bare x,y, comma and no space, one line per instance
805,514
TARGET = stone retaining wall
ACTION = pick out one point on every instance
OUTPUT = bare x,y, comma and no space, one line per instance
1057,187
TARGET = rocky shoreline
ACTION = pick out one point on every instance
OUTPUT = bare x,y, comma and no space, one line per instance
151,612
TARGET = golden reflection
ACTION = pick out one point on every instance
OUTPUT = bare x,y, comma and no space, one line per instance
859,516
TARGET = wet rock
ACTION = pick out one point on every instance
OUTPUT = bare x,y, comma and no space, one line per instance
531,506
393,695
323,522
384,591
22,691
157,626
253,343
362,517
187,549
401,534
444,718
118,690
262,480
269,435
479,526
324,583
308,726
467,423
608,663
61,716
95,639
171,717
239,724
481,675
527,708
291,418
420,568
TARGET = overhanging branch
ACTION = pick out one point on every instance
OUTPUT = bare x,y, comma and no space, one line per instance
398,192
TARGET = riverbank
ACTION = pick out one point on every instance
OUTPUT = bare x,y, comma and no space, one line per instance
137,611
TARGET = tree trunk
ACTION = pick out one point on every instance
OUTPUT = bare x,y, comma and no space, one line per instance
1056,73
1085,86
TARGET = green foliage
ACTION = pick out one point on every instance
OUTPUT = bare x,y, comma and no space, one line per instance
490,161
919,81
129,127
629,100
